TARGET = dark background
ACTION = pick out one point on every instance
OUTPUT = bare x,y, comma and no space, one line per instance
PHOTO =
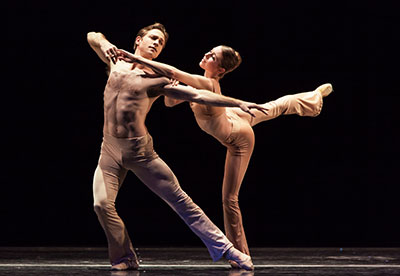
325,181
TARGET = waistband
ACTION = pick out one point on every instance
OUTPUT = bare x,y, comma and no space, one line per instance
130,141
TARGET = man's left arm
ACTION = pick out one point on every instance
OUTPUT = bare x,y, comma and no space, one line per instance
104,49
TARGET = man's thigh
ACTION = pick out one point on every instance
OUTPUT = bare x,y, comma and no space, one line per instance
159,178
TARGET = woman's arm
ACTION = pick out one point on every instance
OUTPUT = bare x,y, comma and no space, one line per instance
169,71
103,48
201,96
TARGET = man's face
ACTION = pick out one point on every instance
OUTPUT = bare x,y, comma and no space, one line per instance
151,44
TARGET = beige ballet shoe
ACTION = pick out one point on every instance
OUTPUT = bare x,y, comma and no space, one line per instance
233,264
325,89
242,260
126,265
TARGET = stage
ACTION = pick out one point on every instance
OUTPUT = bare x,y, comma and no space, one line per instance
196,261
320,194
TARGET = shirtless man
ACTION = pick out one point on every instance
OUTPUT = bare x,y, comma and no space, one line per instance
128,96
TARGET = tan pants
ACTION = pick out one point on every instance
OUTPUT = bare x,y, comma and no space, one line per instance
137,154
240,145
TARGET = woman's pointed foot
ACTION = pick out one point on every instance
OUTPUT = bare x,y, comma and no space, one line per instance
325,89
126,265
233,264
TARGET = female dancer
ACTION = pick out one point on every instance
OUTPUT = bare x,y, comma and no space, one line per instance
231,126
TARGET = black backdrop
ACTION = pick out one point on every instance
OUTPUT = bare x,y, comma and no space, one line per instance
324,181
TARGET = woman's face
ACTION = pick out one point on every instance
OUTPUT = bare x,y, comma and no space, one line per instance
212,60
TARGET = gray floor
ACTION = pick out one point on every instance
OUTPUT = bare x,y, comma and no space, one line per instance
196,261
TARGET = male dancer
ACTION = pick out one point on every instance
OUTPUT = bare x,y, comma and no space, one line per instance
128,96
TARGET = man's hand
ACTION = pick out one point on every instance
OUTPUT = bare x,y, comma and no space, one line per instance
173,82
110,51
246,106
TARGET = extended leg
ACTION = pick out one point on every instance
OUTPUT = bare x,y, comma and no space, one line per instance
161,180
302,104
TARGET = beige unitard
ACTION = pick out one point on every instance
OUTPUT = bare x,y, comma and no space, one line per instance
233,128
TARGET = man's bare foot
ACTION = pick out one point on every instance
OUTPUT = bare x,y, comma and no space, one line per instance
241,259
325,89
126,265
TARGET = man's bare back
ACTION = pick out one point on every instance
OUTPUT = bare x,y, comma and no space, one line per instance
128,97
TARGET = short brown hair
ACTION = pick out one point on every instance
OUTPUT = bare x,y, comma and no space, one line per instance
231,59
146,29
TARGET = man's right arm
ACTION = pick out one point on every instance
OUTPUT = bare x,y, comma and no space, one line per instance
103,48
201,96
170,102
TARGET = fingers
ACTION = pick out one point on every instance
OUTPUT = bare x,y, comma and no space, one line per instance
173,82
246,108
263,110
123,53
111,54
258,107
251,113
125,56
150,75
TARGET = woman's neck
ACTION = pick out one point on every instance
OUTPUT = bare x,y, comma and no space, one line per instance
210,75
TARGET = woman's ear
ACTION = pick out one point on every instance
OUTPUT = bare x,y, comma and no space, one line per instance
221,70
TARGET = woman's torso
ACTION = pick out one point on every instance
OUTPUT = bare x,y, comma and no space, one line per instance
219,122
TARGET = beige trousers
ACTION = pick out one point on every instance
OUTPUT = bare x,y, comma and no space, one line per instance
137,155
240,145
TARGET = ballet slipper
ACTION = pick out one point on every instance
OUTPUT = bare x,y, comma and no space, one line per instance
126,265
242,260
325,89
233,264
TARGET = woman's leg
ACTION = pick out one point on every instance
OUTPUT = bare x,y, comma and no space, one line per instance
302,104
239,151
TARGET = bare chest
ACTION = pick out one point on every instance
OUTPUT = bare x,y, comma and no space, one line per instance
127,84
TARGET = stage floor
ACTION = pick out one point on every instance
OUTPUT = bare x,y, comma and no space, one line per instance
196,261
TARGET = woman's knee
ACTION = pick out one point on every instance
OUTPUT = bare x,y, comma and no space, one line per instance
230,202
103,206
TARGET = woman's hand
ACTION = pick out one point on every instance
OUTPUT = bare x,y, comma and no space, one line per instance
126,56
246,106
